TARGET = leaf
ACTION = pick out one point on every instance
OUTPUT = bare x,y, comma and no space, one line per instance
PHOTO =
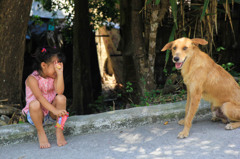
220,48
157,2
204,9
171,38
149,1
174,10
230,64
224,66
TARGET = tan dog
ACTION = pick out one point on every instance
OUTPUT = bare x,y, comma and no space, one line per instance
205,79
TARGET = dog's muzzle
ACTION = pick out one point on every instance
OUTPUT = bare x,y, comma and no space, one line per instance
178,64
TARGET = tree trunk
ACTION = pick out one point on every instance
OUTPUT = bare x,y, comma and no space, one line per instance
157,14
125,46
82,79
132,45
14,16
139,50
95,70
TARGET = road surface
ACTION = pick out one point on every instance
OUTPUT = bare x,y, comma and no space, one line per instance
207,140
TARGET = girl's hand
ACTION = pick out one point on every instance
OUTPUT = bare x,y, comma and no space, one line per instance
59,112
58,67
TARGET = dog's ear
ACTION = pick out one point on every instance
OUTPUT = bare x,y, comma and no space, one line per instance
167,46
197,41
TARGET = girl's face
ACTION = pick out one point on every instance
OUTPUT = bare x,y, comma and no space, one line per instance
48,69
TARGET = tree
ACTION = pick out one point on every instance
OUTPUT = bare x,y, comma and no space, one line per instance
14,16
138,62
82,80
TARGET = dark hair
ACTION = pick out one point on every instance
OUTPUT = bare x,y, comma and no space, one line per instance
44,54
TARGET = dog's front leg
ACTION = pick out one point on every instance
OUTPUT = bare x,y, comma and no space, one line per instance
195,97
181,122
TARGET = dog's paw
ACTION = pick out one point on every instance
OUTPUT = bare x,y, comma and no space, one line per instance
183,134
232,125
229,126
181,122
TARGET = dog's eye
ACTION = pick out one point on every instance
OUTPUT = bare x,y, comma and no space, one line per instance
174,48
185,48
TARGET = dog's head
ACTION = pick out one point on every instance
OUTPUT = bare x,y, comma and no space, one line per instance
182,49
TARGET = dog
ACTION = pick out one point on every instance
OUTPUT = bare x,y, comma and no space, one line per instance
205,79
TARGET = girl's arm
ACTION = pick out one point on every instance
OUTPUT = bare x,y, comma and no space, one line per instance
32,83
59,81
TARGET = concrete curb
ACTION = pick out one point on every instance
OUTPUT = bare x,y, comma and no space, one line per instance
114,120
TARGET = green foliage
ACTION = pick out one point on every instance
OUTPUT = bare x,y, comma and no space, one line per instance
148,2
174,69
101,11
220,48
206,2
171,38
21,122
182,92
37,20
47,4
98,105
174,11
165,71
229,67
169,82
148,96
129,88
67,33
104,12
157,2
156,96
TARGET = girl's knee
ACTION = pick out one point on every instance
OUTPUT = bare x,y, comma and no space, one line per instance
35,105
61,99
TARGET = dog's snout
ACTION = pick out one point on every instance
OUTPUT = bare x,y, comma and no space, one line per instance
176,59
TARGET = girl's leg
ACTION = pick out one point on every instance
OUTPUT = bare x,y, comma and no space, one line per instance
60,103
37,118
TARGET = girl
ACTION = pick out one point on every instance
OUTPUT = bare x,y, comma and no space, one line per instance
42,103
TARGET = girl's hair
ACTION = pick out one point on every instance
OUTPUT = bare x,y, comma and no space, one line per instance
44,54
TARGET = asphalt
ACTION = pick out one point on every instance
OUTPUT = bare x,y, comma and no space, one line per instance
103,122
207,139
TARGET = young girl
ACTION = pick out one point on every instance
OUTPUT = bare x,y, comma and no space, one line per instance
44,93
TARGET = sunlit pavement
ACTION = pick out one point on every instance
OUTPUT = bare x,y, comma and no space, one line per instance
207,140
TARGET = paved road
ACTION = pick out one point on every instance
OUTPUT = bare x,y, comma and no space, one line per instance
207,140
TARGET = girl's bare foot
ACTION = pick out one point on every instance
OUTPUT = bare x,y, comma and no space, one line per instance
60,137
43,141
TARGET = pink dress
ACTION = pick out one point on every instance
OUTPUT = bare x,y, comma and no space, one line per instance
46,85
